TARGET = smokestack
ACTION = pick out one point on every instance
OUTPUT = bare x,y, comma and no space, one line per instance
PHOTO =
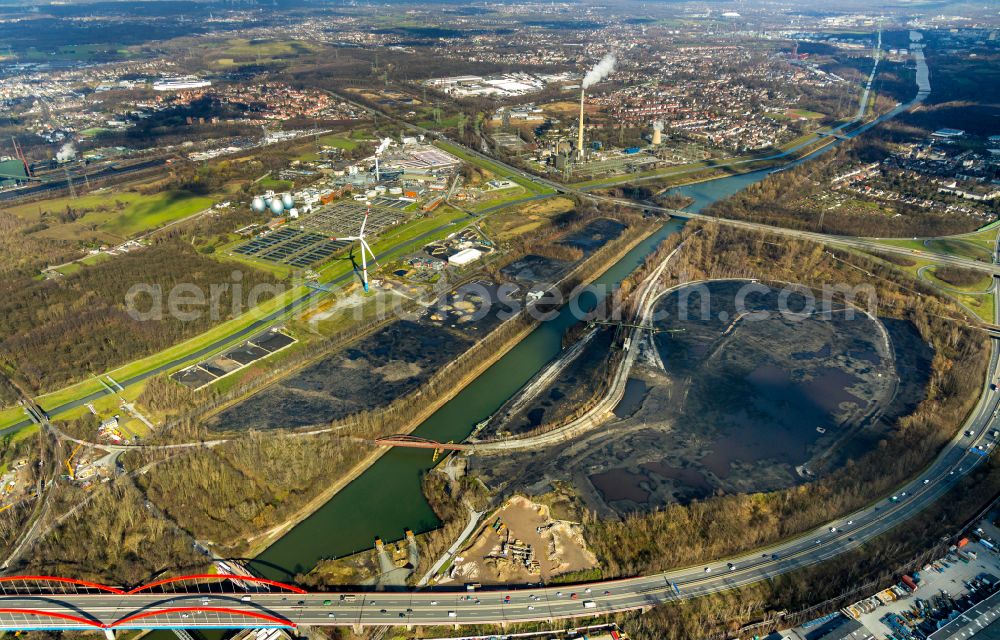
600,71
657,133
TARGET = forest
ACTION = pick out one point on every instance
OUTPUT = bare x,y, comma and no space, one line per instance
57,331
715,527
24,254
111,538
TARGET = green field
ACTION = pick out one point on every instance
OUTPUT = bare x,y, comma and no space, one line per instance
80,52
794,113
985,238
494,168
981,305
149,212
340,142
500,197
975,247
274,184
347,142
107,214
958,247
238,51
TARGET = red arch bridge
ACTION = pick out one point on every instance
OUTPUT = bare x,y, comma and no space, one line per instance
199,600
231,601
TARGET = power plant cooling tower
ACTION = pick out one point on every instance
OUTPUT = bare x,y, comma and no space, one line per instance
657,133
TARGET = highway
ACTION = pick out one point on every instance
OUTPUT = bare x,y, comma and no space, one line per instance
440,607
61,608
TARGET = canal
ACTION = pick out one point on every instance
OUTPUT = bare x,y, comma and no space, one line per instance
387,498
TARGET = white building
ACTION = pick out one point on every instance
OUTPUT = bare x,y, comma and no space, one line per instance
464,257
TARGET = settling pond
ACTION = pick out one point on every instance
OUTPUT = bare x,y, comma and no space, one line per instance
387,498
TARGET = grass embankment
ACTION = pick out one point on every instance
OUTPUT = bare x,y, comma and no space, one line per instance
974,246
84,388
399,238
532,187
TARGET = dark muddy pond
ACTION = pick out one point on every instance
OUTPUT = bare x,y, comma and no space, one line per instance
745,404
635,393
535,268
369,374
594,235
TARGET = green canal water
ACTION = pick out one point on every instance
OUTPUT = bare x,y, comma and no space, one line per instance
386,499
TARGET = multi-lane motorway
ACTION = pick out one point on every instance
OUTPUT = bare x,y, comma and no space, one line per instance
56,609
429,607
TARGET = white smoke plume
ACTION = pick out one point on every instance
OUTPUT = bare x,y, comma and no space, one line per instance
600,71
66,153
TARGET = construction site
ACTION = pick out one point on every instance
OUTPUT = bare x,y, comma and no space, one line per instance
521,543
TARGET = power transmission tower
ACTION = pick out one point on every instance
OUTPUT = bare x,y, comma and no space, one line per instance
69,183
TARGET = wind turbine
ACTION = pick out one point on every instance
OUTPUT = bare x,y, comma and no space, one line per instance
364,247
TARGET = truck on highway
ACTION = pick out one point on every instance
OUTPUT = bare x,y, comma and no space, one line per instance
589,604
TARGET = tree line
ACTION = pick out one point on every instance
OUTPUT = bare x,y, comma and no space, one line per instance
60,330
677,535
